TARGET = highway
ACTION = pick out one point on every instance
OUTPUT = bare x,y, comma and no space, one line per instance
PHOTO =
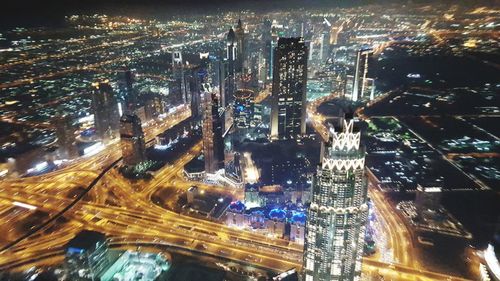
124,211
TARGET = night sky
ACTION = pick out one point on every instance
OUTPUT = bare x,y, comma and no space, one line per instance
51,12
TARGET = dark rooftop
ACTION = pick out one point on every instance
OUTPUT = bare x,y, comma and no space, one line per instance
86,240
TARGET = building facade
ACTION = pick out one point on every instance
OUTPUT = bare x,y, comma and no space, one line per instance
243,108
179,82
66,138
338,212
229,68
87,256
288,111
129,94
360,83
213,142
267,49
132,140
241,50
106,113
428,201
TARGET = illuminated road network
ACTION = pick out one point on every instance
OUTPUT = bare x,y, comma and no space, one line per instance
125,212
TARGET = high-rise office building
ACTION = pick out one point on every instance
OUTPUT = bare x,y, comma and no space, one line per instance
132,140
243,108
360,71
368,92
267,39
428,201
239,31
194,81
66,138
288,111
310,43
128,93
230,65
338,212
325,47
105,109
213,71
335,31
179,82
213,142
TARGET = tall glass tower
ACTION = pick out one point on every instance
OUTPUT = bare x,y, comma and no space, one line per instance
105,109
241,52
132,140
338,213
288,110
213,141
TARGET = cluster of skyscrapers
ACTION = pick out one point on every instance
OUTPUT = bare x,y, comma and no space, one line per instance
217,93
111,124
335,227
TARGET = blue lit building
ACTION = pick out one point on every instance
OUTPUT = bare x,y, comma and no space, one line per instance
87,256
243,108
278,220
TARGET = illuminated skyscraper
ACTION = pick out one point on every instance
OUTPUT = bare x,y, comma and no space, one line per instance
360,71
267,39
335,30
310,43
128,93
243,108
288,111
241,50
213,143
212,70
132,140
338,212
179,84
325,47
105,109
231,57
195,81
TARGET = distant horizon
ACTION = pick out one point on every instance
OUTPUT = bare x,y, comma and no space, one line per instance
32,13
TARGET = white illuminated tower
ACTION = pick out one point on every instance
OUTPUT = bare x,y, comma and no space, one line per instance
360,72
338,213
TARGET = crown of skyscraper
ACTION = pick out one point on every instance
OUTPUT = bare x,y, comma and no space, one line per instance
345,137
231,36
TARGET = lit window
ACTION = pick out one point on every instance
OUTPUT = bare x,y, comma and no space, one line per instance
309,264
